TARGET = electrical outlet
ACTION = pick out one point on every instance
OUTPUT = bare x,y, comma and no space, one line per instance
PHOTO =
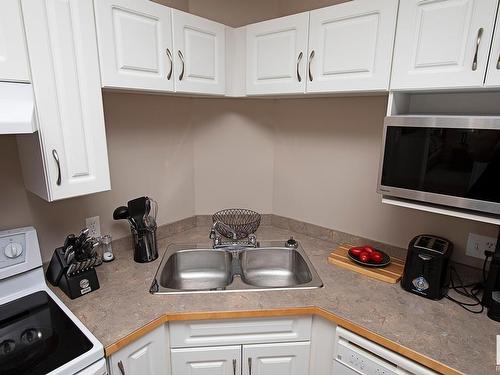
477,244
94,226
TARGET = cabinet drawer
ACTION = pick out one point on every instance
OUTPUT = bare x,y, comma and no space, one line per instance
223,332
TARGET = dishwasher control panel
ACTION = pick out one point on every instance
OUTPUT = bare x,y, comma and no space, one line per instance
364,363
356,355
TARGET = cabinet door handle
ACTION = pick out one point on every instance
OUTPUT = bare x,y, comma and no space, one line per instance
169,55
56,158
181,56
299,59
498,62
121,368
311,56
478,43
249,366
234,366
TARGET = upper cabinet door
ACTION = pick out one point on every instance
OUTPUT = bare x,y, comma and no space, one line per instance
276,359
135,44
350,46
442,43
65,72
13,54
277,55
493,75
199,54
217,360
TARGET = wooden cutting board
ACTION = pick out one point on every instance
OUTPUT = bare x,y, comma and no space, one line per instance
390,274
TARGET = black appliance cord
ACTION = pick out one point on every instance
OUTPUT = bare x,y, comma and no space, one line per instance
471,294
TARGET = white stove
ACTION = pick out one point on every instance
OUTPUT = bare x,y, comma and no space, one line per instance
38,333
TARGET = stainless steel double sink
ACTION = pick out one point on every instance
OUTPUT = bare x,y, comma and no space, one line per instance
270,266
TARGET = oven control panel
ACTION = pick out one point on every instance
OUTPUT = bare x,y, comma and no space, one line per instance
12,249
19,251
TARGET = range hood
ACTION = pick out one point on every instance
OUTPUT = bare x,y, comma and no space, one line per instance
17,108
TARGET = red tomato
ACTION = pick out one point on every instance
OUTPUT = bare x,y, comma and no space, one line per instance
356,251
364,257
376,257
369,249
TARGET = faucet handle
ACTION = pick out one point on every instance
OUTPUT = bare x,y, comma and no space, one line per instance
252,239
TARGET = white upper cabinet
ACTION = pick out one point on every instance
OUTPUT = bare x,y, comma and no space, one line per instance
350,46
277,55
217,360
276,359
69,156
199,54
13,54
135,44
442,43
493,75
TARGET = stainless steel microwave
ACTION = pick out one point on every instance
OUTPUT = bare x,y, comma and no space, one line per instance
446,160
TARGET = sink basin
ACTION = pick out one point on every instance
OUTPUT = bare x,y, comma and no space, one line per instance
197,269
275,267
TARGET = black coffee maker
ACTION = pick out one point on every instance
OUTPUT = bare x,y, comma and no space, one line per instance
491,294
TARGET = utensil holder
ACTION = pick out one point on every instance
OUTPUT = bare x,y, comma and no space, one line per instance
145,249
75,285
79,284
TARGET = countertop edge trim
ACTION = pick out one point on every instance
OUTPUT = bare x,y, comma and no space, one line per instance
311,310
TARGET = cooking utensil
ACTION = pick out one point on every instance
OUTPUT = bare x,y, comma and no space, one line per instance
69,241
69,257
121,213
137,210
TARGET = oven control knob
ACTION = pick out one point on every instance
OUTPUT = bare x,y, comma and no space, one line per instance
13,250
31,335
7,347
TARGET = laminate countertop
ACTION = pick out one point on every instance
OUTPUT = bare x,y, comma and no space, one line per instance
439,334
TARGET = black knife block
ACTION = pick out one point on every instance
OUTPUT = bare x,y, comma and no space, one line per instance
74,286
77,285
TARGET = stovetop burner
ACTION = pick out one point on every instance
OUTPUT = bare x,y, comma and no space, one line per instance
36,336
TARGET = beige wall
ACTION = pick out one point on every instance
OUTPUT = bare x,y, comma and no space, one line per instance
233,154
150,145
311,159
326,168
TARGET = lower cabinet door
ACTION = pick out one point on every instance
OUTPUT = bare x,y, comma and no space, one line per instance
218,360
276,359
145,356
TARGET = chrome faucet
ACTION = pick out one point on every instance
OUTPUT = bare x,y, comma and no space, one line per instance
215,235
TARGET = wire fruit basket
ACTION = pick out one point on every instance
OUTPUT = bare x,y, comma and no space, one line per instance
242,221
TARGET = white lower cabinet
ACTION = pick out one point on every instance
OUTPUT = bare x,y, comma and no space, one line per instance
147,355
258,346
291,358
218,360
